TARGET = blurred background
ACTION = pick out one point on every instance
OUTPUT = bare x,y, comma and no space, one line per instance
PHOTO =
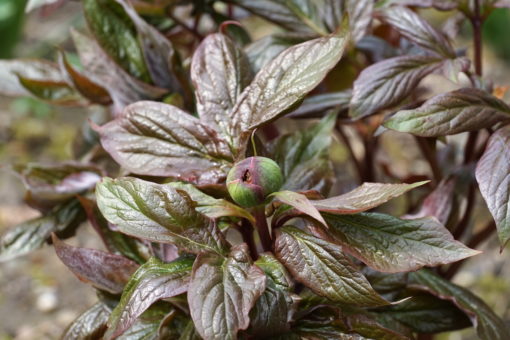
39,297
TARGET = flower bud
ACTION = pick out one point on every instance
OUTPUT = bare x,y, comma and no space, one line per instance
251,180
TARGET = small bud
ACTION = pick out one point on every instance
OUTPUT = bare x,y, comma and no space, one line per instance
251,180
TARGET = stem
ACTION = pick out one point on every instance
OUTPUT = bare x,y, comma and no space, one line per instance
348,145
183,25
464,222
262,228
246,231
430,156
370,145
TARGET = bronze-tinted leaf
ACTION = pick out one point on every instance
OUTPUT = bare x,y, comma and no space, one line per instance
389,244
32,234
299,202
153,281
157,139
157,213
58,93
488,325
492,176
323,267
284,81
220,71
103,270
365,197
222,292
91,324
34,69
467,109
101,69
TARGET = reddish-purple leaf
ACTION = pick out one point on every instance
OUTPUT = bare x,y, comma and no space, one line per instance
301,203
91,324
222,292
365,197
103,270
34,69
438,203
492,174
153,281
323,267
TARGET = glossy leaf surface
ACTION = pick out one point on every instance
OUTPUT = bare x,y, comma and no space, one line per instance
467,109
153,281
322,267
157,213
91,324
222,292
389,244
161,140
492,176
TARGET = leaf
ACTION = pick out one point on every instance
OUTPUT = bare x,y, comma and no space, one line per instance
264,50
157,213
367,328
440,202
492,177
34,69
101,69
467,109
222,291
303,156
488,325
157,139
360,17
275,308
91,324
115,242
58,182
160,57
424,313
322,267
153,281
220,71
416,29
103,270
117,35
365,197
210,206
87,88
388,82
285,81
32,234
299,202
317,104
58,93
392,245
34,4
148,324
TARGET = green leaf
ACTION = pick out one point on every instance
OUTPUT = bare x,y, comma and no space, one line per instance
492,177
101,69
103,270
322,267
157,213
115,242
284,81
389,244
222,292
275,308
157,139
153,281
416,29
299,202
58,93
304,156
32,234
117,35
360,17
220,71
368,328
91,324
365,197
160,57
264,50
425,313
388,82
86,87
147,326
467,109
488,325
210,206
